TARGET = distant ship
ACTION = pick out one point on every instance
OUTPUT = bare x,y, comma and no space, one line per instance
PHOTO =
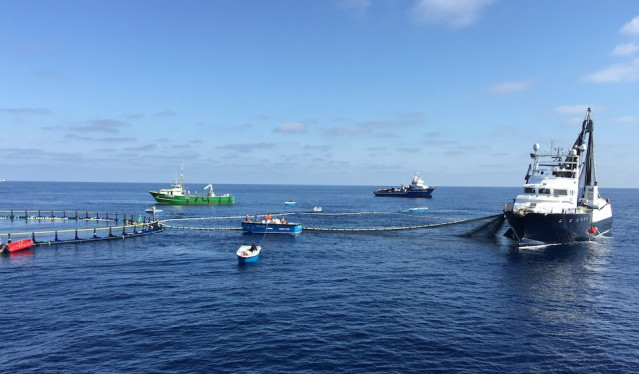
560,202
417,188
177,196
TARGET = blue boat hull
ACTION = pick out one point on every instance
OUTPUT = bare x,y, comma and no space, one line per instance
247,260
247,254
272,228
423,193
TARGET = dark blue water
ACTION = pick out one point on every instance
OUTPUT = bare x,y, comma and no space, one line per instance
350,302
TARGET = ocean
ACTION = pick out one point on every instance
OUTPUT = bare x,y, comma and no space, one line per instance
343,300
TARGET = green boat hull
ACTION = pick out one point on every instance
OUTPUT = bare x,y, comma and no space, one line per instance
192,200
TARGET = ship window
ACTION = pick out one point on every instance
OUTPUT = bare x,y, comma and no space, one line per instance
529,190
561,193
544,191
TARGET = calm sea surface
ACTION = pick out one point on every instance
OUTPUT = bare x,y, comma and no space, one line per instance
419,300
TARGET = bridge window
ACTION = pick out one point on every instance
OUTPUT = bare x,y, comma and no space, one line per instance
544,191
530,190
561,193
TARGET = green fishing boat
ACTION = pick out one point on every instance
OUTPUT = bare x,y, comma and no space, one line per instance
177,196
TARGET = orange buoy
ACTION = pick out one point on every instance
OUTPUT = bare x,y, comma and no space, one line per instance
593,230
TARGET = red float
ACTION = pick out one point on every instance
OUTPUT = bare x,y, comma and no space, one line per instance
17,246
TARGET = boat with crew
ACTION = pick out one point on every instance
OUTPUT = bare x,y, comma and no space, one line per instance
16,246
560,201
177,195
248,253
270,225
290,203
417,188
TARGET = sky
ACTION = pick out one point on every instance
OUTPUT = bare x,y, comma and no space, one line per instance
314,92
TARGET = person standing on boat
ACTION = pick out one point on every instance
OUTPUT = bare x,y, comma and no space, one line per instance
247,219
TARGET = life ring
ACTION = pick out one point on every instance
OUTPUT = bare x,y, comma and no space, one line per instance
593,230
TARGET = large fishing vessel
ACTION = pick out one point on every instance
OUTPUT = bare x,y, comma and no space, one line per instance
561,202
176,195
417,188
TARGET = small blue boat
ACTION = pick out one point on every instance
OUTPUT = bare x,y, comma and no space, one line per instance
272,228
248,253
290,203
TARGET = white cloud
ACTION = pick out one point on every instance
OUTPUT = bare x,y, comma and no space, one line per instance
247,146
357,7
166,113
385,124
109,139
572,109
621,72
385,135
456,13
508,87
349,131
100,125
289,128
626,119
631,27
26,110
625,49
146,147
505,131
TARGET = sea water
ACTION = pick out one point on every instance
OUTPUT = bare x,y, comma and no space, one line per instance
348,301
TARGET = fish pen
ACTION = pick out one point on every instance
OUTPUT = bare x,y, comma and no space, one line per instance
69,226
359,222
60,227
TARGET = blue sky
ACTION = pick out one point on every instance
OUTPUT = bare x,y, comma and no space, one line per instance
345,92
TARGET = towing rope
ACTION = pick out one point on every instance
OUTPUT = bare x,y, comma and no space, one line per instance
415,227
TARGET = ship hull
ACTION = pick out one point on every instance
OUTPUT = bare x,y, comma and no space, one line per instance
271,228
415,194
556,227
192,200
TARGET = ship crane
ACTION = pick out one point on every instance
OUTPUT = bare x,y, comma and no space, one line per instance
210,188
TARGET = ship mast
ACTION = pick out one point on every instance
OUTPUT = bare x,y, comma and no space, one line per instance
589,189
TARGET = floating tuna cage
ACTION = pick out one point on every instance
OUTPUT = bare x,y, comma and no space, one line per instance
353,222
58,227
